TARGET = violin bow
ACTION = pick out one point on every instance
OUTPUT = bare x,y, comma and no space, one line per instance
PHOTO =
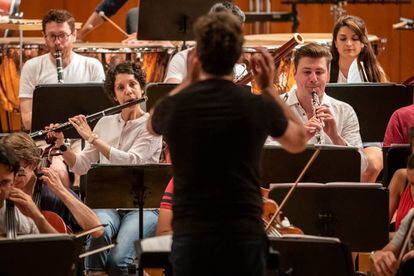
298,179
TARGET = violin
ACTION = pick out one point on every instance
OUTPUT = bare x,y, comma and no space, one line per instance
281,225
46,160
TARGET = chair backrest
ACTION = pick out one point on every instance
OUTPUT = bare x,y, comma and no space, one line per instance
395,157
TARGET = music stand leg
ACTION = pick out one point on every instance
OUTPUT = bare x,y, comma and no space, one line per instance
141,222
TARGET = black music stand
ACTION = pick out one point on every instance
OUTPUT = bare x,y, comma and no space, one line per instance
312,256
156,91
127,186
280,166
373,103
170,20
55,103
348,212
44,254
395,157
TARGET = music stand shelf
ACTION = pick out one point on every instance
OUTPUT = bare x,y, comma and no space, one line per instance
280,166
136,186
55,103
373,120
170,20
348,213
44,254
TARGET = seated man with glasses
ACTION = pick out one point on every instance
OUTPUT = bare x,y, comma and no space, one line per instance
53,196
60,34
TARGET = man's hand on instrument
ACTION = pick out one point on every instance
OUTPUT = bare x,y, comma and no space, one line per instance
60,138
25,203
312,126
263,68
81,125
408,255
52,180
385,263
324,113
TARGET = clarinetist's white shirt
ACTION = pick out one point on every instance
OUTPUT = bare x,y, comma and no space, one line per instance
41,70
345,118
130,142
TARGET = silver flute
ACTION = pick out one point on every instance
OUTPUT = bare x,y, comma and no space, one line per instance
320,137
59,68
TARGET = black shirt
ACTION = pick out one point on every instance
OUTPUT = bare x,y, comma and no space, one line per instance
215,131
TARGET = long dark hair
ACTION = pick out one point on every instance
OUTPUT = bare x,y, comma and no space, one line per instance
374,71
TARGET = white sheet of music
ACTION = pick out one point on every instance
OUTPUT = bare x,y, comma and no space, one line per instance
157,244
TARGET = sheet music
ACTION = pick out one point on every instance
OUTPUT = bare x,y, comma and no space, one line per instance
157,244
353,74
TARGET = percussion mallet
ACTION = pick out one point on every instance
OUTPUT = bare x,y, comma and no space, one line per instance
102,14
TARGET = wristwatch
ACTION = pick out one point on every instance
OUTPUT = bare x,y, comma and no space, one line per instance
92,138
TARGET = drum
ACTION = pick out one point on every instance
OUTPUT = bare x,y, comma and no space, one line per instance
284,79
152,57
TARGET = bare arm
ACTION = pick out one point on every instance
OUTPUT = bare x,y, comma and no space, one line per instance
164,225
384,261
396,188
84,216
172,80
26,111
28,208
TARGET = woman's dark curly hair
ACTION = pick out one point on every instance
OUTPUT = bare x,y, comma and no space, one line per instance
123,68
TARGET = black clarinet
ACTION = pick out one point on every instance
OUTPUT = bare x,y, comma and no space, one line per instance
90,118
59,68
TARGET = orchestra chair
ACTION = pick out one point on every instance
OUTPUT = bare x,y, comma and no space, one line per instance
395,157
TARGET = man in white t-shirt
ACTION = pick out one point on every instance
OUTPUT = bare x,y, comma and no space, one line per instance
60,34
177,68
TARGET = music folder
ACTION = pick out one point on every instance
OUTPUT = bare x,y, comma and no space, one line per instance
55,103
348,211
40,254
334,163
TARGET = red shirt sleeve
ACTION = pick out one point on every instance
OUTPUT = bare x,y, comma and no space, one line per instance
166,201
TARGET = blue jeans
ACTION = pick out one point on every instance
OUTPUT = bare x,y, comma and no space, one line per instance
124,226
217,255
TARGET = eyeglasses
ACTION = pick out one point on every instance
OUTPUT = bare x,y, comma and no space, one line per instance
22,170
61,37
